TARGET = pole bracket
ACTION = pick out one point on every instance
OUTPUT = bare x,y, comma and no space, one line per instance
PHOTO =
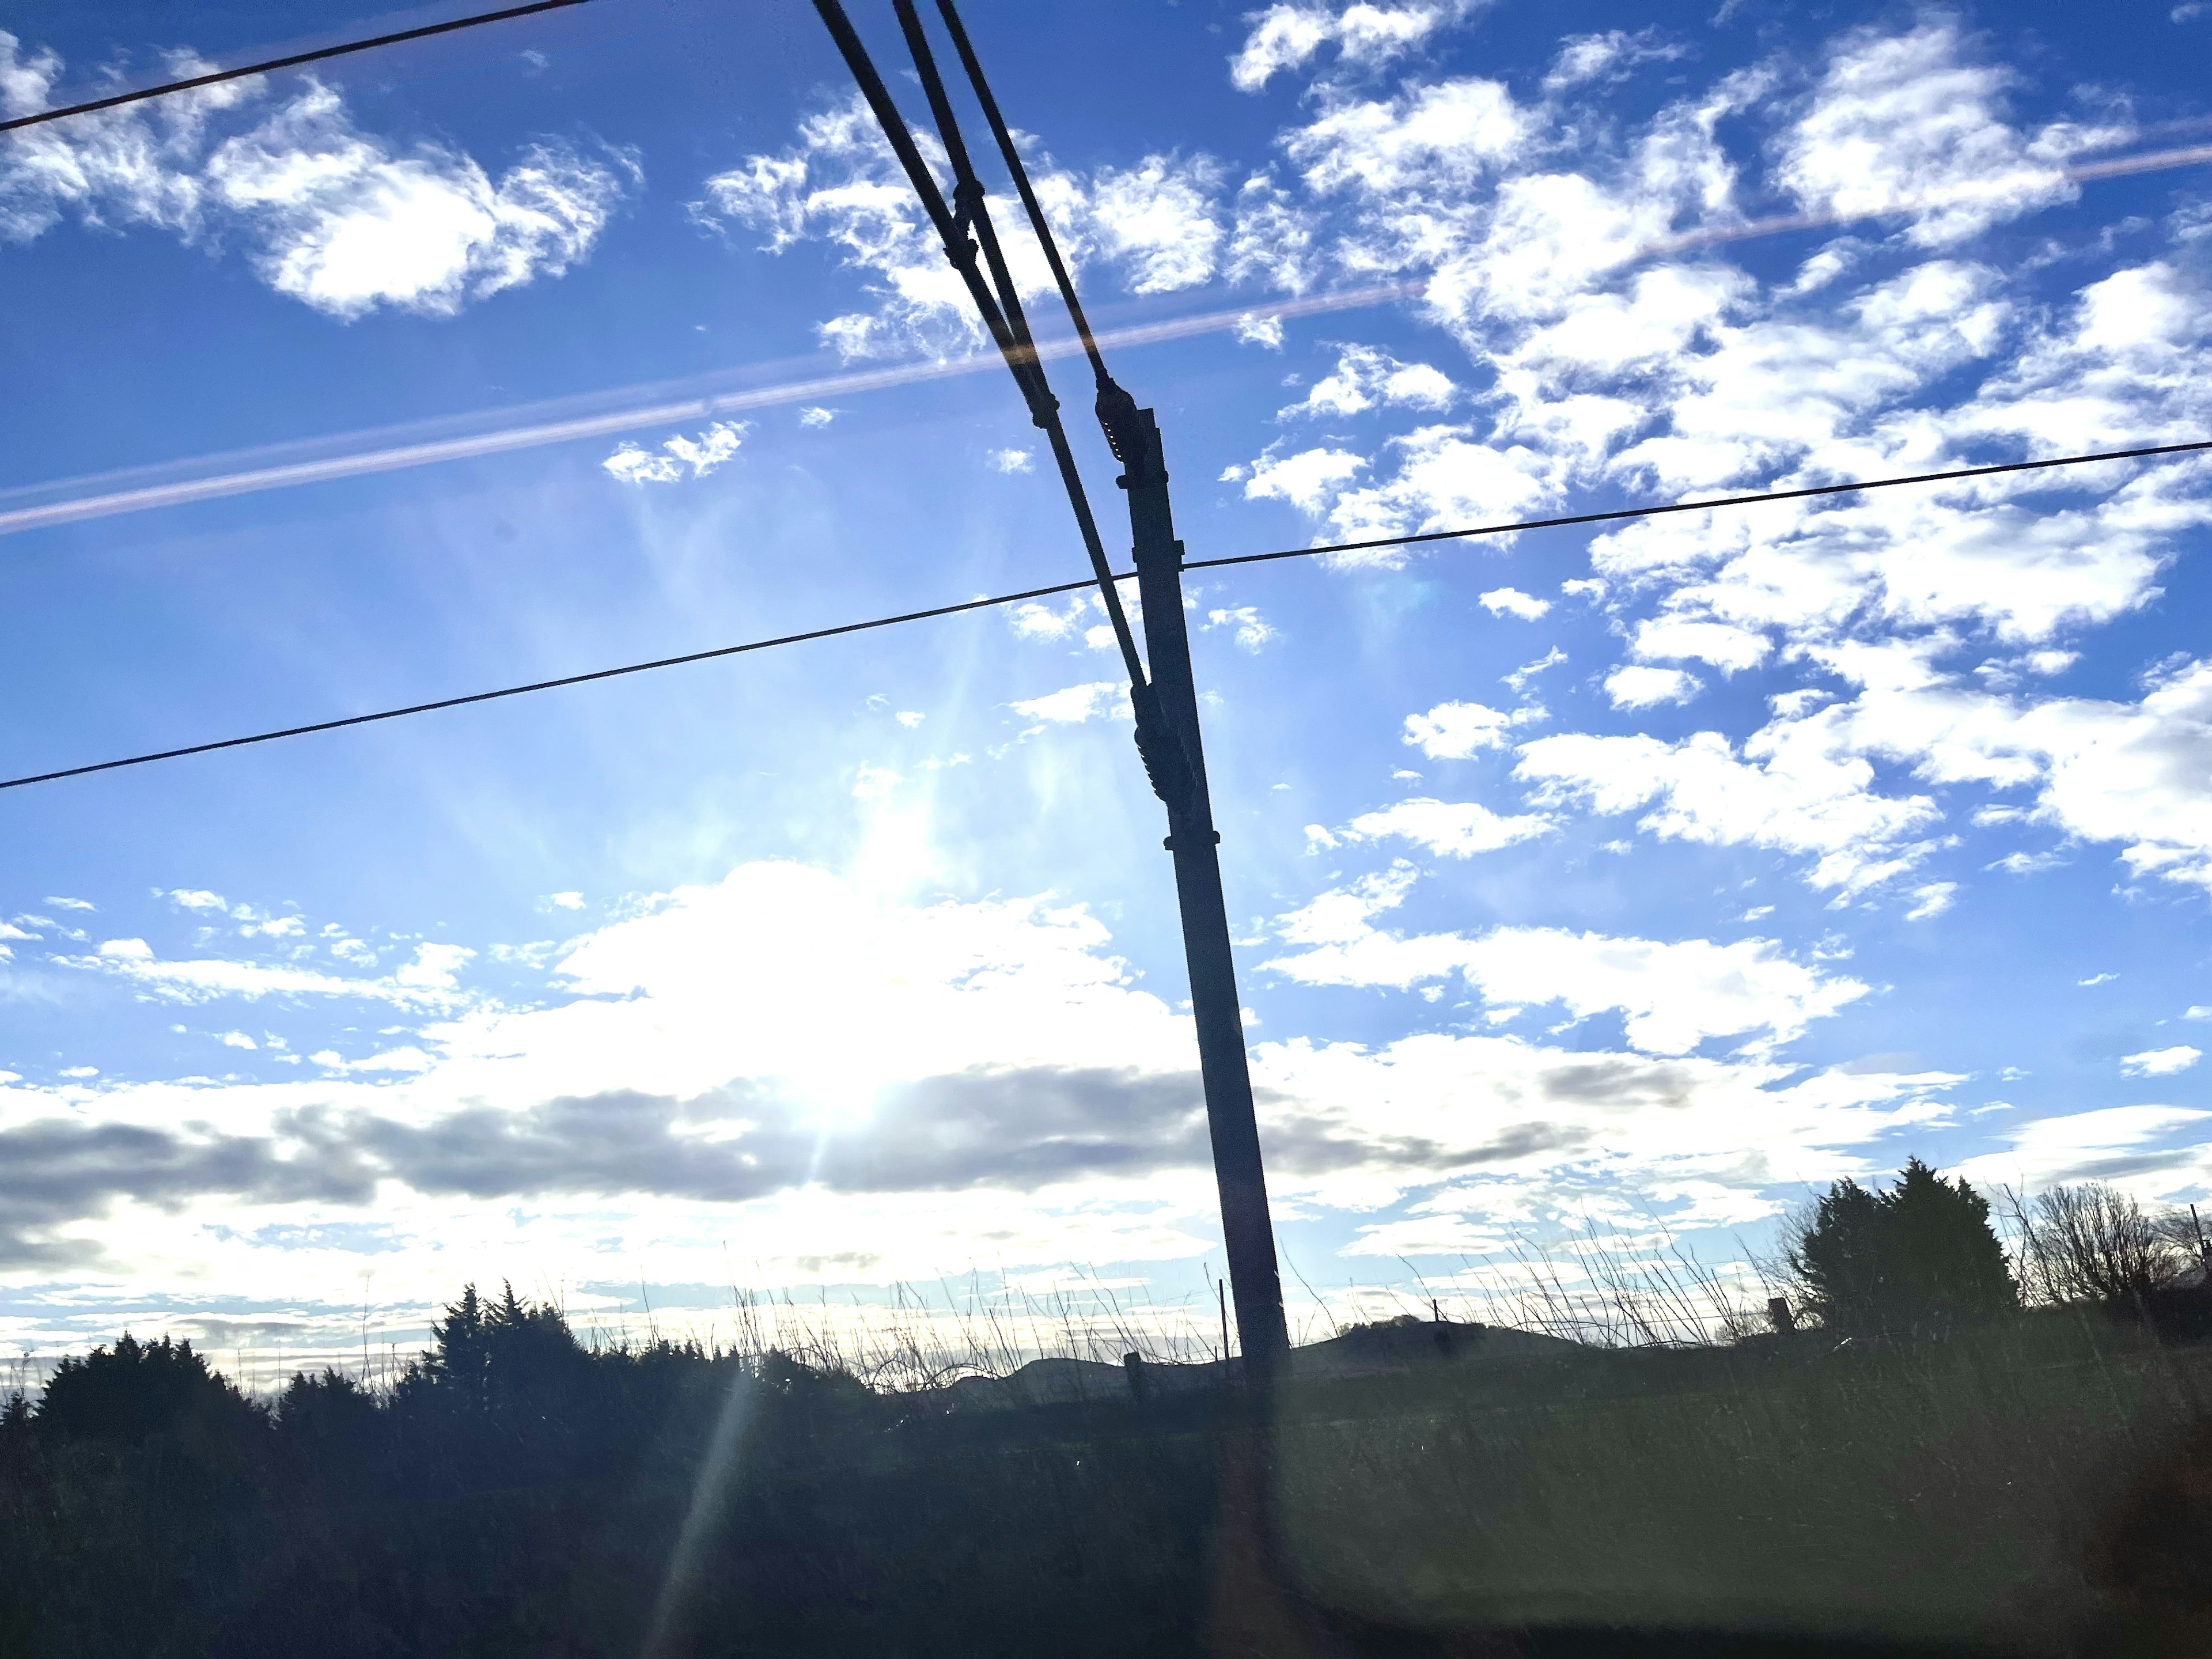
1170,842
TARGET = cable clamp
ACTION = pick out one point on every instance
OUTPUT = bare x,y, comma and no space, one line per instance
1169,841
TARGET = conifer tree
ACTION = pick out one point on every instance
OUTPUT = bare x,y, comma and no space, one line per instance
1918,1260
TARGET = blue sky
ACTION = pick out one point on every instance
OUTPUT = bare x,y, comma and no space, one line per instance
1652,876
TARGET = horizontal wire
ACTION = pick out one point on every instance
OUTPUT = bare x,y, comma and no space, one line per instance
1612,516
292,62
554,684
1617,513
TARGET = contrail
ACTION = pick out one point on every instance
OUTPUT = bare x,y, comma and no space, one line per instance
632,409
146,487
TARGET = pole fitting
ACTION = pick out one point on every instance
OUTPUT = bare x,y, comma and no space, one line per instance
1167,767
1125,425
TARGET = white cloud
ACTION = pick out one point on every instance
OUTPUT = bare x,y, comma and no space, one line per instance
2097,979
910,718
1272,241
1934,899
2161,1062
2117,1144
1159,223
1512,601
1453,828
565,901
346,226
2138,774
1264,331
1366,377
236,1039
332,216
1728,649
1157,220
701,455
1790,795
1633,687
1609,56
1074,704
1899,126
198,898
814,417
1453,730
1672,996
71,903
1033,620
435,967
1011,460
1252,629
427,982
1288,34
1432,137
1306,480
692,1055
1519,678
1445,480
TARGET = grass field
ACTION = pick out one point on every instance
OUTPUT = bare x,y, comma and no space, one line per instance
2043,1487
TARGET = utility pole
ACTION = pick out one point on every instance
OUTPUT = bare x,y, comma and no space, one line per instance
1247,1230
1165,700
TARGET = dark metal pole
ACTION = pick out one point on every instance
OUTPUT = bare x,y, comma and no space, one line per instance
1165,701
1247,1230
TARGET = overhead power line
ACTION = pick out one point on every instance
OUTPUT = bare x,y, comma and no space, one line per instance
553,684
1612,516
1617,513
293,62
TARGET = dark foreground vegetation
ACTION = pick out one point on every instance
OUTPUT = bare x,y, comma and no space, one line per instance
2026,1481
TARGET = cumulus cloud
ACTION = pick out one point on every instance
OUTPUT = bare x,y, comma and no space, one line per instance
1011,461
1074,704
1632,686
1253,630
2161,1062
341,220
682,1054
1159,224
1454,730
1794,797
1932,900
1672,996
1367,377
1900,124
1512,602
1288,34
1453,828
1429,138
1306,479
700,456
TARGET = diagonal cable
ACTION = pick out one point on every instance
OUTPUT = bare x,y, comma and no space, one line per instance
1115,409
1165,764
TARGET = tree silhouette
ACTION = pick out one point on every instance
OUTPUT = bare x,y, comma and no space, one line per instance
1918,1260
2092,1243
136,1390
